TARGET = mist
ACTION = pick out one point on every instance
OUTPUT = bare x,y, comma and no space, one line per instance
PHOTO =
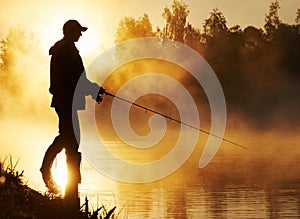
260,78
23,74
27,121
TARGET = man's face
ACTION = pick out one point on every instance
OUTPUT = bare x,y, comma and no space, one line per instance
74,35
77,35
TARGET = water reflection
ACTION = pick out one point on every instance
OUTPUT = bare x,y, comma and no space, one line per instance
234,185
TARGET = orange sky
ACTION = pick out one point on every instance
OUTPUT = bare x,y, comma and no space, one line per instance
45,18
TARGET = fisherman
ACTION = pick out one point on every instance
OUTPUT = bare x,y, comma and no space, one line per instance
66,68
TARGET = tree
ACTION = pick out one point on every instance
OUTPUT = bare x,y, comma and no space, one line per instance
15,48
257,83
22,70
175,21
193,38
297,20
253,37
130,28
18,41
215,24
272,20
215,37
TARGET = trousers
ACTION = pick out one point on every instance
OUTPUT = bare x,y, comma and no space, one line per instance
68,139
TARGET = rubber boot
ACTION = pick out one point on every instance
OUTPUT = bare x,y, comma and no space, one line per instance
55,148
73,163
74,178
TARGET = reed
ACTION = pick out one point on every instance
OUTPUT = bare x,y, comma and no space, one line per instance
19,201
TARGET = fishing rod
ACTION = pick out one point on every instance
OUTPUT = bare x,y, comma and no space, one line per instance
175,120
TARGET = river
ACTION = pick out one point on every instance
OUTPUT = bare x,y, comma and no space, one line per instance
260,182
238,183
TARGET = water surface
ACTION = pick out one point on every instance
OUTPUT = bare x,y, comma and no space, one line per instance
260,183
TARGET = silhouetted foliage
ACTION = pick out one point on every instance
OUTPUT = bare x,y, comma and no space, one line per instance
175,21
21,71
297,20
216,24
18,41
130,28
258,69
11,48
193,38
17,200
272,20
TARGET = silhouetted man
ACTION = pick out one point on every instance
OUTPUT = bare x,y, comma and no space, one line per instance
66,68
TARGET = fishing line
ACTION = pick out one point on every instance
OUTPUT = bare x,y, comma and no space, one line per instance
175,120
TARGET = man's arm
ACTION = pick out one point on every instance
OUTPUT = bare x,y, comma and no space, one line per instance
92,88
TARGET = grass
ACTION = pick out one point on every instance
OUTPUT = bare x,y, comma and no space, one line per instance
19,201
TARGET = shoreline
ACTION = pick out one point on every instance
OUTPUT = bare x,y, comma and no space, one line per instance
18,200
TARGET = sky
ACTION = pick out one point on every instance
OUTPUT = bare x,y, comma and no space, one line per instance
45,18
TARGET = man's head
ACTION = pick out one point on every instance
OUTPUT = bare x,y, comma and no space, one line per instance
72,30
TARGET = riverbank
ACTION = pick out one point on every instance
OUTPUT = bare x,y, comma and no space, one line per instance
19,201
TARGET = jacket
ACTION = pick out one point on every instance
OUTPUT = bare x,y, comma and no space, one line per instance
66,68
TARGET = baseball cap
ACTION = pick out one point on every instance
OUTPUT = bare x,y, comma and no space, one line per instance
73,25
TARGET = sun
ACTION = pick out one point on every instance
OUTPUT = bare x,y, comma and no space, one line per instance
88,44
59,171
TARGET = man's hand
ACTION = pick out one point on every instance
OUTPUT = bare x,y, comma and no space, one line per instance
101,90
99,97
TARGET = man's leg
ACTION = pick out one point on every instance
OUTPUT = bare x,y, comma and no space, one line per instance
54,149
73,163
72,155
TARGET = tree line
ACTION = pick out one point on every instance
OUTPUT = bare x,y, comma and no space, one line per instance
258,68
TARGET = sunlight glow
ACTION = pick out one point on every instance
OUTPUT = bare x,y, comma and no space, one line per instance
59,171
52,33
89,42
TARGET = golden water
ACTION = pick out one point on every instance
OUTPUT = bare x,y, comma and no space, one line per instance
236,184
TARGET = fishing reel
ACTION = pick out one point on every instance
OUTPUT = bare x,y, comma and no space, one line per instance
99,95
99,99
